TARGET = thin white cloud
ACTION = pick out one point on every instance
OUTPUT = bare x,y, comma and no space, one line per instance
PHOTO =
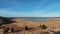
52,14
6,12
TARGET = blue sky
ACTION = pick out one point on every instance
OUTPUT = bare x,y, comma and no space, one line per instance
30,8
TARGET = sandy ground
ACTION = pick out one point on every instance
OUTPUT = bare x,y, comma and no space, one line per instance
54,22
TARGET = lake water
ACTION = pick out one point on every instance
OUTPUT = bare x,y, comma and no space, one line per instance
35,18
38,18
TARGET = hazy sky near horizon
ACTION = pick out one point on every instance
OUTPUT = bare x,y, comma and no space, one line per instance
30,8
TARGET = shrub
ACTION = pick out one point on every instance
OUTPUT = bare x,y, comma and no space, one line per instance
0,26
6,30
43,27
26,28
12,29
